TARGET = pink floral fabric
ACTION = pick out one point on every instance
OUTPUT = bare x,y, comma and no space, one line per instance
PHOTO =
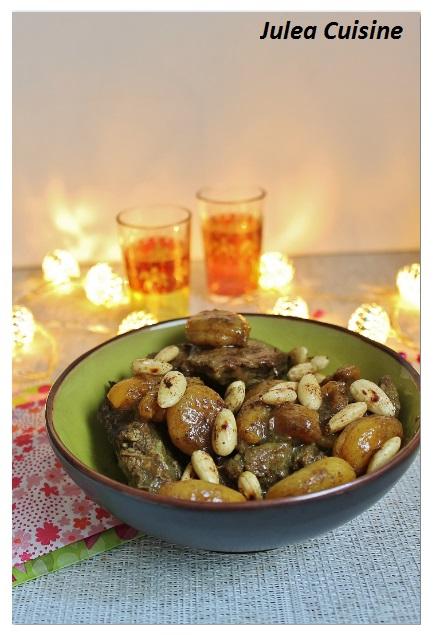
48,510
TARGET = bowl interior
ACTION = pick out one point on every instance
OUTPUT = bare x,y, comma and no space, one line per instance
83,388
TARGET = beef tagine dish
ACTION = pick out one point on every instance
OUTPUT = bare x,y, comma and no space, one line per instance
225,418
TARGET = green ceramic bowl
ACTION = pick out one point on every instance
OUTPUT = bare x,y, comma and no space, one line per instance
252,526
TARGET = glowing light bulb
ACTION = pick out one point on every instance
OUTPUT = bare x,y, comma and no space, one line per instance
276,270
136,320
103,287
372,321
296,307
23,326
59,266
409,284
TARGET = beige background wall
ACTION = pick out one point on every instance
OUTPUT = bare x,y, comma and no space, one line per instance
113,110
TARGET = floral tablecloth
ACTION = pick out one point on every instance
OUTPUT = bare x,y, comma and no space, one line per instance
54,523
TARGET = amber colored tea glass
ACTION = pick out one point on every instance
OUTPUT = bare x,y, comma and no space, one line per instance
155,243
231,220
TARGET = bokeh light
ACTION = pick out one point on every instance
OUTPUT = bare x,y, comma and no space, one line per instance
23,326
372,321
294,307
103,287
59,266
409,284
276,270
136,320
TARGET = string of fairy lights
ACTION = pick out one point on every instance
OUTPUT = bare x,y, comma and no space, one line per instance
105,288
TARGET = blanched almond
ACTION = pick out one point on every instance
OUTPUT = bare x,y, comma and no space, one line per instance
309,393
299,354
168,353
249,486
235,395
188,473
383,456
150,367
204,466
281,393
171,389
375,398
297,372
224,433
346,415
319,362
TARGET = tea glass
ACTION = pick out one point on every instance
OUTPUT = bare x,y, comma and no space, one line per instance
231,220
155,243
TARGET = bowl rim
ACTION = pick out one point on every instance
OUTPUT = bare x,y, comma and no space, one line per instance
140,494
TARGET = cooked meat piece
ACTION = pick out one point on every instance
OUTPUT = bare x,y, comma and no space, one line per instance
334,397
390,389
251,363
217,328
144,457
347,374
231,468
305,454
140,448
112,419
270,462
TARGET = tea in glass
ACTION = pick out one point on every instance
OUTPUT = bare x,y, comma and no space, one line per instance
155,242
231,222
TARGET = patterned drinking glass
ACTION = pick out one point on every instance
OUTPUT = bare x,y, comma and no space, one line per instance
231,220
155,244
